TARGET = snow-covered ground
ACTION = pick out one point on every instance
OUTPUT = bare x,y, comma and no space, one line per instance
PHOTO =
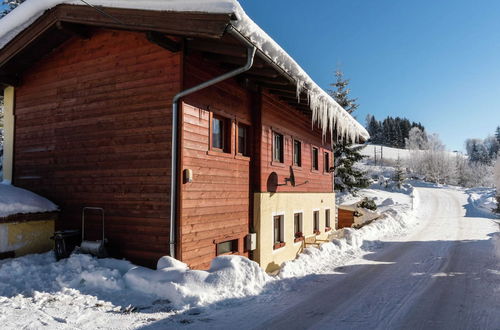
15,200
483,199
85,292
388,154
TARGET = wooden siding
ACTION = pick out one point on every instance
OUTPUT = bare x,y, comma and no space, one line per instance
216,205
346,218
93,129
282,118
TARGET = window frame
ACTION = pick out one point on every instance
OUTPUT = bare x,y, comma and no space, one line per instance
316,222
328,220
227,131
313,159
326,162
234,246
277,244
246,153
274,160
298,231
299,164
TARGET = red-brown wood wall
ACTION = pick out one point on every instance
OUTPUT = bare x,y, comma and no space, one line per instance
282,118
216,205
93,129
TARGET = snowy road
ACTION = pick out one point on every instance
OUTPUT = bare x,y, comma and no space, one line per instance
444,276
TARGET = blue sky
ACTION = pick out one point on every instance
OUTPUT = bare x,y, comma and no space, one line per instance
437,62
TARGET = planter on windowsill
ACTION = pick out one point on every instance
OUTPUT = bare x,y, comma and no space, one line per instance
298,239
279,245
328,229
317,232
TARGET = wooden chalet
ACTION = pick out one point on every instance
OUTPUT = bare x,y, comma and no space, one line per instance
89,122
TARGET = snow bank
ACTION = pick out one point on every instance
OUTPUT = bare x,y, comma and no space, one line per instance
228,277
483,200
15,200
325,111
397,217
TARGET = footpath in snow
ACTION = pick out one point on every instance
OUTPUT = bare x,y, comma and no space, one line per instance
85,292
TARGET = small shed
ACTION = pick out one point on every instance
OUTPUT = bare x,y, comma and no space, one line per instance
26,222
355,216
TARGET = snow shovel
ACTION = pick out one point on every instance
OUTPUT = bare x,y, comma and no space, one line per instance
95,248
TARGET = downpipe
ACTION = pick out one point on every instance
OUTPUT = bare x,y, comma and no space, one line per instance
174,184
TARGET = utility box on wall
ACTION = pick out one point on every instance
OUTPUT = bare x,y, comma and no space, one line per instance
251,242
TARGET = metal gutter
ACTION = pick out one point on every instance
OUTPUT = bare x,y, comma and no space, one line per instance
251,49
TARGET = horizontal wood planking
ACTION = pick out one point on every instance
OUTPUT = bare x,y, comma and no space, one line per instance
215,206
281,117
93,128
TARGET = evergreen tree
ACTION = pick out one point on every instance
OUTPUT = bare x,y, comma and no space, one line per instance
347,177
497,134
398,176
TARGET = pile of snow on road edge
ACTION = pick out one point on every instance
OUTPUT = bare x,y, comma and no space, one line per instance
350,243
228,277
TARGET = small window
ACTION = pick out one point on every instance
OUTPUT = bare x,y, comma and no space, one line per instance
227,247
327,162
327,218
278,237
278,154
221,130
316,222
297,225
315,165
243,148
297,153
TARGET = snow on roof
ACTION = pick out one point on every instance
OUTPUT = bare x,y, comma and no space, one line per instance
325,111
15,200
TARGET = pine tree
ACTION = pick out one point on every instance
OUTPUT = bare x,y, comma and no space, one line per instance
398,176
497,134
347,178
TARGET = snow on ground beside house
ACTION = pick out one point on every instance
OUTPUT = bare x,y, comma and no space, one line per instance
15,200
85,292
389,154
325,110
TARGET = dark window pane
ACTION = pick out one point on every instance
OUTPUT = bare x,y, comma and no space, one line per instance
217,133
327,218
316,220
327,162
227,247
278,148
297,222
243,140
315,158
297,153
277,229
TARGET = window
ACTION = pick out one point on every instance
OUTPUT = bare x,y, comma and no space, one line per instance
278,224
315,165
297,153
297,225
278,147
243,147
227,247
327,162
221,131
327,218
316,222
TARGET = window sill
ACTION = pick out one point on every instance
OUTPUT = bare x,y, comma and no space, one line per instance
220,154
315,171
235,253
278,164
328,229
297,168
241,157
279,245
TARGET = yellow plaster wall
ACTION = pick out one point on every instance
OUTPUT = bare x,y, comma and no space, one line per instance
27,237
267,205
8,133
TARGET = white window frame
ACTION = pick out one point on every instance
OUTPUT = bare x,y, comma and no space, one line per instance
282,227
319,219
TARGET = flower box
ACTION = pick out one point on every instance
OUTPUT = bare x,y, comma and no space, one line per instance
328,229
279,245
317,232
298,239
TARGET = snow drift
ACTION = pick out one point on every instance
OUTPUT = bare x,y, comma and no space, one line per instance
326,112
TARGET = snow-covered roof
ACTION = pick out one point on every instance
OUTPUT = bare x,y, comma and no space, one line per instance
15,200
327,113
